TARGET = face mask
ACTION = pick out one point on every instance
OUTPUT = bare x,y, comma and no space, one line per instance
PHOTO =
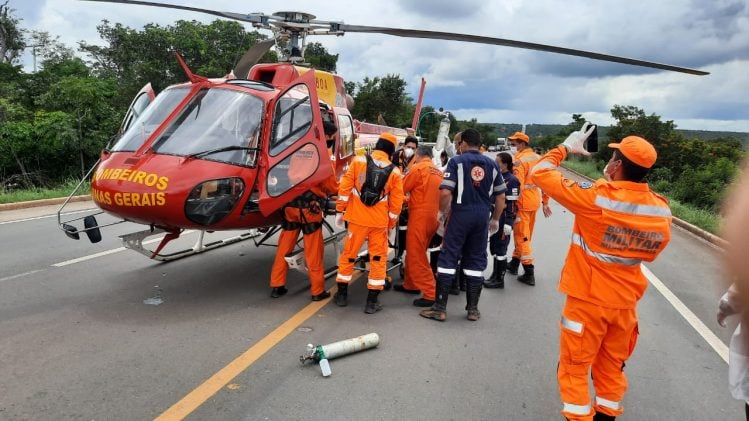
408,153
605,172
513,150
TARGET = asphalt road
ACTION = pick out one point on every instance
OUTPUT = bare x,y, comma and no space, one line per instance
79,341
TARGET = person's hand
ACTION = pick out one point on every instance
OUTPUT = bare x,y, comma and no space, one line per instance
339,223
508,230
575,142
547,210
727,307
493,227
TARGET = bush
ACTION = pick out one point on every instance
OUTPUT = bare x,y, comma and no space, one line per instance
705,186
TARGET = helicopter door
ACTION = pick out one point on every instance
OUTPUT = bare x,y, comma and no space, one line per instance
141,101
296,154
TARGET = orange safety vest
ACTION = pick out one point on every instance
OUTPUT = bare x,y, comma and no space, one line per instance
530,196
618,225
379,215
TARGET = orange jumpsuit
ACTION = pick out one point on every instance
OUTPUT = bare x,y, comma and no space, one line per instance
423,183
296,214
528,203
369,223
617,225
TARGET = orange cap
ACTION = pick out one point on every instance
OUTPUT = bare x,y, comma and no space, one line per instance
390,137
637,150
520,136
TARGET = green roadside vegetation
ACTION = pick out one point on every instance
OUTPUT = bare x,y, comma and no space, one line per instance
25,195
706,219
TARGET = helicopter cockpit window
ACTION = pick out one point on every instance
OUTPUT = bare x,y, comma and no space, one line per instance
292,118
141,127
346,135
218,125
136,110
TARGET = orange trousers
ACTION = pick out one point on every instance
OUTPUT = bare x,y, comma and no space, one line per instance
377,237
523,233
313,251
418,272
597,339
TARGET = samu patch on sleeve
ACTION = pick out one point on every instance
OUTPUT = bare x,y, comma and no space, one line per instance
585,184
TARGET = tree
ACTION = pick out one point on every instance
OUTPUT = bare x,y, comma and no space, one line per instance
11,36
632,121
319,58
385,97
135,58
88,101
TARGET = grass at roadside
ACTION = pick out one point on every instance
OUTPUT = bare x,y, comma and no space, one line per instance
707,220
64,190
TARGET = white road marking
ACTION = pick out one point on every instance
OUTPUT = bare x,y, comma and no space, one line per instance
89,257
46,216
687,314
8,278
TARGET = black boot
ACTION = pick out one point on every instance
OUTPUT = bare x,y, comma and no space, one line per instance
439,309
276,292
600,416
372,305
454,288
527,277
497,279
472,301
512,267
341,296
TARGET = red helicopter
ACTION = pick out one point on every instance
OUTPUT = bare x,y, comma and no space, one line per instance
215,154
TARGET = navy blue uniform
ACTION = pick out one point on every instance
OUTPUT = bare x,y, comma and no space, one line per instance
499,241
474,180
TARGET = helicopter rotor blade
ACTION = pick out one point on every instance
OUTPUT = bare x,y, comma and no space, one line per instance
252,56
255,19
414,33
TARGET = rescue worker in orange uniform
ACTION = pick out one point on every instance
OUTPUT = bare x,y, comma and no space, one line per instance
619,223
305,214
528,203
423,183
369,199
403,158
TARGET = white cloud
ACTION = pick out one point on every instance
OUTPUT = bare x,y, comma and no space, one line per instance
499,83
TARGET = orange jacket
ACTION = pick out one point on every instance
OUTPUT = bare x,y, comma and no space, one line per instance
383,214
618,225
423,183
530,197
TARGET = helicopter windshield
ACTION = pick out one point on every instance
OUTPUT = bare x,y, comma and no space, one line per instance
149,120
217,124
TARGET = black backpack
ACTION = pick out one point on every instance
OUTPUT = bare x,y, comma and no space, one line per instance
374,184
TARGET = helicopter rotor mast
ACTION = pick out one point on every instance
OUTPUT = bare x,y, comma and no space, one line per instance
295,26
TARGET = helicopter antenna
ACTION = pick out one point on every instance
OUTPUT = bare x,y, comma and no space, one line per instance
190,75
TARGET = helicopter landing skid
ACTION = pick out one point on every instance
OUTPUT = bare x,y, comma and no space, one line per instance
135,241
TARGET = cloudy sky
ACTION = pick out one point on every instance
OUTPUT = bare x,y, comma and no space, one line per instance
501,84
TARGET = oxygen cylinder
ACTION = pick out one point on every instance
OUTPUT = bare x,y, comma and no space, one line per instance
443,135
322,353
349,346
